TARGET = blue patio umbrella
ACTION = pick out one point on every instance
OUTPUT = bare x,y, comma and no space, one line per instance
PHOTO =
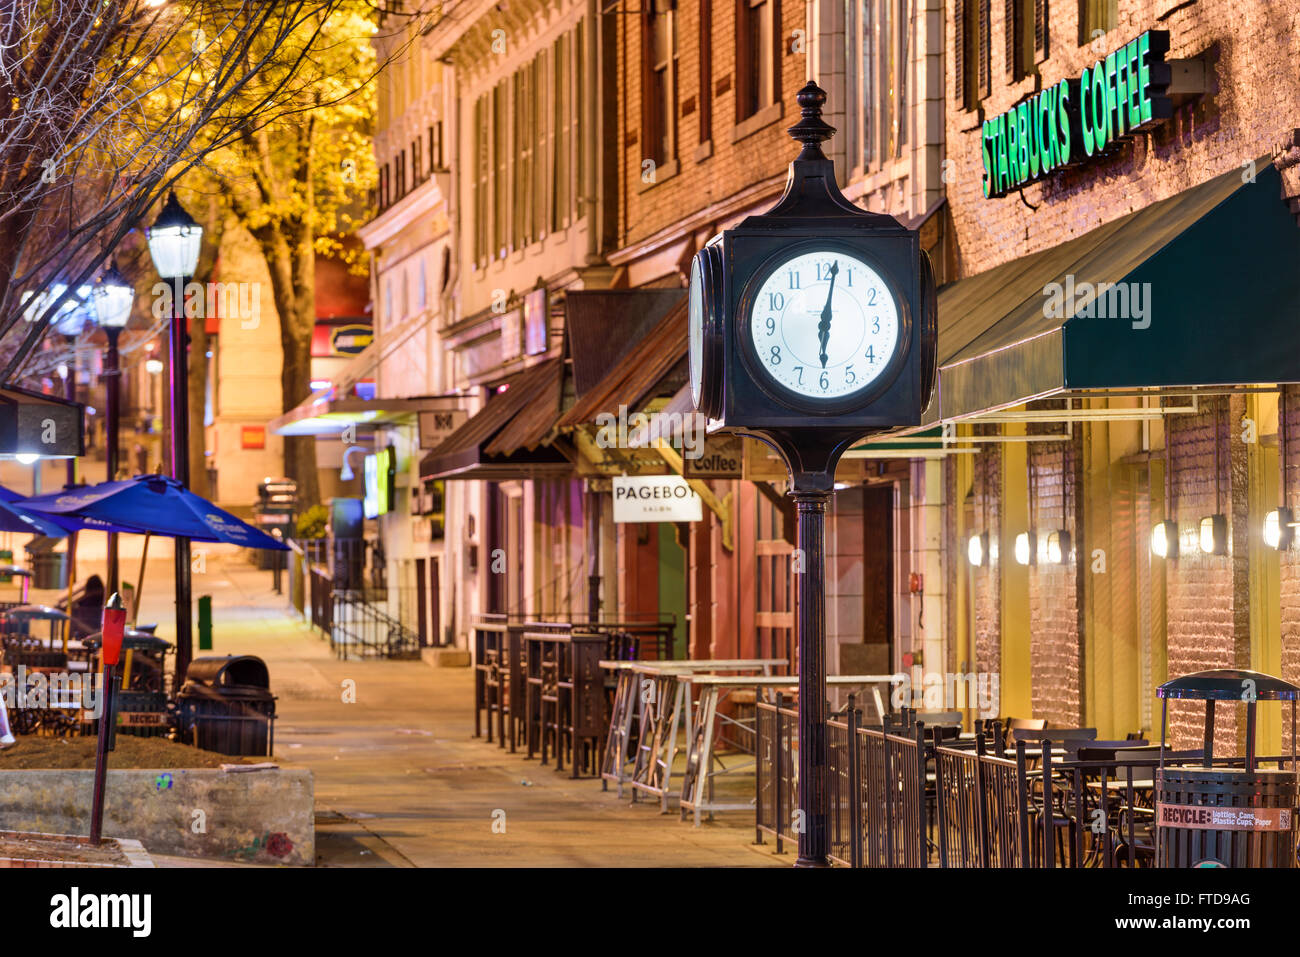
15,518
153,505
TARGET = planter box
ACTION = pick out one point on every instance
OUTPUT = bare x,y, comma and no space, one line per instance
265,817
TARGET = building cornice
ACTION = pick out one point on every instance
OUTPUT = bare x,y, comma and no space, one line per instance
427,199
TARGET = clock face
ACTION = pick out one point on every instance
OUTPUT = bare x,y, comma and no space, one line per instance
696,315
824,325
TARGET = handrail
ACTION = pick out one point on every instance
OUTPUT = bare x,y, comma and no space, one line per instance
363,628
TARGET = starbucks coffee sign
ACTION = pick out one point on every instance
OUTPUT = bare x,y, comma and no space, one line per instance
1078,118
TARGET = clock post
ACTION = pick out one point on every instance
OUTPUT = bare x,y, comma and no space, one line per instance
812,326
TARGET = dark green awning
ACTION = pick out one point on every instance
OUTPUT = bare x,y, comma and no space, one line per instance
1222,307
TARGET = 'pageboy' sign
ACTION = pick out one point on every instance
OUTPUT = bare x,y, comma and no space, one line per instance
655,498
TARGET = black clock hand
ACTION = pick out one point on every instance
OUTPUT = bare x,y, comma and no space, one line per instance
824,327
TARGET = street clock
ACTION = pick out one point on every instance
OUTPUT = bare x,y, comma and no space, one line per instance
812,326
816,315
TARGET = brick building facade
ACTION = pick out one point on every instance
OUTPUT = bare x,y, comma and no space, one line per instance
1105,464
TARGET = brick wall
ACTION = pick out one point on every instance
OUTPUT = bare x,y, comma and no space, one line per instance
701,180
1056,640
987,592
1207,621
1289,580
1253,104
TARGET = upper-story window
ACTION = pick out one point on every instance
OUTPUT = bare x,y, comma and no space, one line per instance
659,97
527,151
756,57
1097,17
881,59
971,52
1026,37
706,70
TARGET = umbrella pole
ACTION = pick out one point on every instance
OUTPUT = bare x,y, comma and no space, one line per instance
72,580
139,582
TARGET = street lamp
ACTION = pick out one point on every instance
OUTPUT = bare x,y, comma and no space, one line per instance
174,241
112,299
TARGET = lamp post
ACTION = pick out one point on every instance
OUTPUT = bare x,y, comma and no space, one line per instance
113,298
70,323
174,241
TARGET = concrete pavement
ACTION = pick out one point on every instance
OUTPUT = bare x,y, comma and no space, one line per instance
399,779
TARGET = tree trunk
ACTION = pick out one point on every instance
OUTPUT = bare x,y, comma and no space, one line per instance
295,303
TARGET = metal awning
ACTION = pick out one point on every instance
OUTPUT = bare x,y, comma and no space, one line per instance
509,437
642,370
324,414
604,326
32,423
1213,269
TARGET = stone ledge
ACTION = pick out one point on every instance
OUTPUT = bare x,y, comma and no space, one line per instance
265,817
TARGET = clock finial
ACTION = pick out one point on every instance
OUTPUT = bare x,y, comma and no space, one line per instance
811,129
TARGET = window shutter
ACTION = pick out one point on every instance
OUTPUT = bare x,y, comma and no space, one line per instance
984,41
959,51
1040,30
1012,66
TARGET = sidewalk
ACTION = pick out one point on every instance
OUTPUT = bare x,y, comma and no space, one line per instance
400,781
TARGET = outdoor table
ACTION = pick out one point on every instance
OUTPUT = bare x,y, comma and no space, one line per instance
699,775
660,711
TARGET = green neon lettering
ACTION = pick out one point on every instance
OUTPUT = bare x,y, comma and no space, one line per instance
988,160
1144,76
1063,122
1086,112
1027,159
1134,84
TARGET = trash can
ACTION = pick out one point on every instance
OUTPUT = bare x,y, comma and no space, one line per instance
226,705
49,568
1226,817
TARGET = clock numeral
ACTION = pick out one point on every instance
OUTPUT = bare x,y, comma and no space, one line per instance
824,381
850,376
875,325
823,272
871,298
850,280
799,370
771,325
871,354
775,300
775,357
794,279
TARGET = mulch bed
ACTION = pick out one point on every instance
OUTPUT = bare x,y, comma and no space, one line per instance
36,850
41,752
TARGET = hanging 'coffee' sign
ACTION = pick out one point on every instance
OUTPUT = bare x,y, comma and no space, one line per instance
1079,118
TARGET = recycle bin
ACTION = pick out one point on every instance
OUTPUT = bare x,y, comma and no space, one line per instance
1229,813
226,705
